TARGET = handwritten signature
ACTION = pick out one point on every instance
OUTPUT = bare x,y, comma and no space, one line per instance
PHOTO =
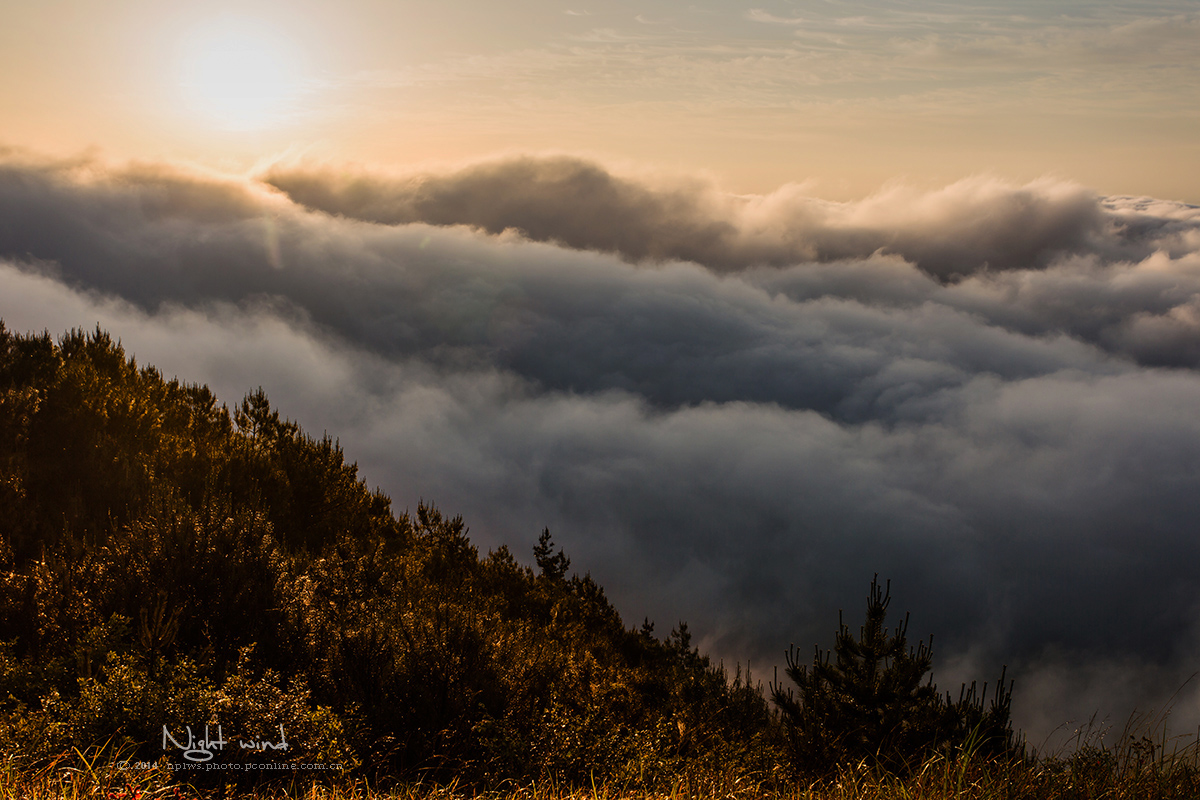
202,749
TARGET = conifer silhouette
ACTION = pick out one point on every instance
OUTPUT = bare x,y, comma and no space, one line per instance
553,565
873,702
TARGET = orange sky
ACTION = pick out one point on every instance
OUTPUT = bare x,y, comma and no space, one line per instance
844,95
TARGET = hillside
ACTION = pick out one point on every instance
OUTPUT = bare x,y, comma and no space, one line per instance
167,562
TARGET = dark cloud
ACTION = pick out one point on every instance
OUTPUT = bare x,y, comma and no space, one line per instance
741,448
1119,283
966,228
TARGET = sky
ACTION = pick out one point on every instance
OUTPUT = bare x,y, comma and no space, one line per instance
846,96
747,303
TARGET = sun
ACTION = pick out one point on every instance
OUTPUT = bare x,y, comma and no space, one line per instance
241,77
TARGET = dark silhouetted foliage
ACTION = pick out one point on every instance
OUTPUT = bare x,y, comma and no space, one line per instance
871,702
553,566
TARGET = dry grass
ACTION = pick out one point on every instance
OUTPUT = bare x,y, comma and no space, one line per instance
1142,764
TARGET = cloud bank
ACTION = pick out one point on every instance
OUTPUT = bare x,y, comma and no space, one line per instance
731,410
962,229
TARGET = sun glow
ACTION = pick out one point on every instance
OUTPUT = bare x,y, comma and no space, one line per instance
242,78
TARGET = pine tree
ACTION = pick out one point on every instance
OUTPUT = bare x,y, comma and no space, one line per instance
871,702
553,566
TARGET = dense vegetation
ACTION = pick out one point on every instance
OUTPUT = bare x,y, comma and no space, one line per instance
165,562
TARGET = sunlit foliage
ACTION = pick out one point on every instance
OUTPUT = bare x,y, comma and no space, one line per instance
168,562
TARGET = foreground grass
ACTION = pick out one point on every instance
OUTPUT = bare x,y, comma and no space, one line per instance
1140,765
935,781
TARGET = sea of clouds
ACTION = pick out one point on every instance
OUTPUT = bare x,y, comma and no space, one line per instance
730,410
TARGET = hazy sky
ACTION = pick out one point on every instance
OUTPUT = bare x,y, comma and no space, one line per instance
745,302
849,95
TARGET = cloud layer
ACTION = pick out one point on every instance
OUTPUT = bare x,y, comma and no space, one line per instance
962,229
730,410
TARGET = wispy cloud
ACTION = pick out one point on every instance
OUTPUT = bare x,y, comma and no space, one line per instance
959,61
758,15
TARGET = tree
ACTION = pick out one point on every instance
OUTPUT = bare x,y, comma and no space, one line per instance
553,566
873,701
